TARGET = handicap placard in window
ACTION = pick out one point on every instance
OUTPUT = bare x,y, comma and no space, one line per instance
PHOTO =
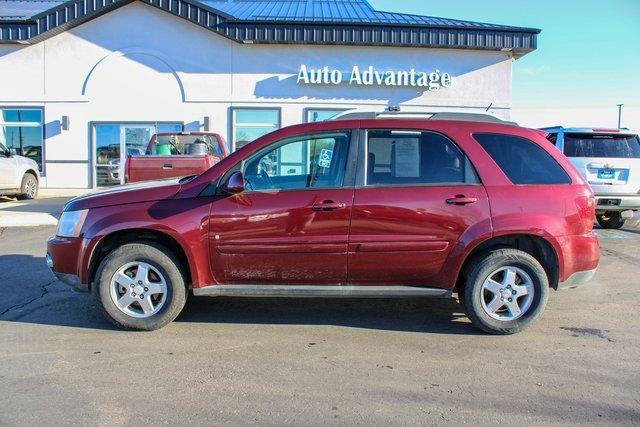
324,161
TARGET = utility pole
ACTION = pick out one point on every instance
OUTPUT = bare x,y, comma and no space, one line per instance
620,115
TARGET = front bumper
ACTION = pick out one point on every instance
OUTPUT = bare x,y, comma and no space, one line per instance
61,258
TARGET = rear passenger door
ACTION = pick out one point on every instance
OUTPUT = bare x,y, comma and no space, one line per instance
417,194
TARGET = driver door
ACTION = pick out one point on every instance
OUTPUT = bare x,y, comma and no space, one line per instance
291,224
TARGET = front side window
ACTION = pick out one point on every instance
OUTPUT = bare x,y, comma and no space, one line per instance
398,157
604,146
522,160
22,130
250,124
320,115
311,161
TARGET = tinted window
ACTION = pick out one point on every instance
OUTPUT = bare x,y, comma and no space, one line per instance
523,161
408,157
609,146
316,161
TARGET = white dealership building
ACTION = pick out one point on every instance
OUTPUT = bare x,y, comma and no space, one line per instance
84,83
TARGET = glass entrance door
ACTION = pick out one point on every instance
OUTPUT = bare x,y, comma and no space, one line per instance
113,142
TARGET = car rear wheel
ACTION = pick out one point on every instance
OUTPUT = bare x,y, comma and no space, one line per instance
505,292
610,220
141,286
29,187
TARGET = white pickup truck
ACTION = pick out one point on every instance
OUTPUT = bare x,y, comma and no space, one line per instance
18,175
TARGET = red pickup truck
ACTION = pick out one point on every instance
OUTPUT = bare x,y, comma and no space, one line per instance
170,155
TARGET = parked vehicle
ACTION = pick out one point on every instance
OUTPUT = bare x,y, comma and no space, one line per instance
18,175
609,159
176,154
382,207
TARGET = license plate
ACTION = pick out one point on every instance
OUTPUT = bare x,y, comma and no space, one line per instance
606,173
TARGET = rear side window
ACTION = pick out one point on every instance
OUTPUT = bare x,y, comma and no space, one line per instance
522,160
403,157
608,146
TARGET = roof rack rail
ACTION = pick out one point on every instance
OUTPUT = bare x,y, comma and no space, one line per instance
468,117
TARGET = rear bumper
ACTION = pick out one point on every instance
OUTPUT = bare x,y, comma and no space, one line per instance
612,202
576,279
580,259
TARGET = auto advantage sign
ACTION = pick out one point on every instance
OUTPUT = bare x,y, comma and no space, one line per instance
371,77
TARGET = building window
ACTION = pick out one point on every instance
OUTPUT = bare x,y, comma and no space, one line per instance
113,142
321,114
22,130
250,124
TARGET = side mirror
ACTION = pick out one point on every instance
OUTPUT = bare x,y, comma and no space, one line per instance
11,152
234,184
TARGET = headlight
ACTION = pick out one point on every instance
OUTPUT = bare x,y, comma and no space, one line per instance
71,222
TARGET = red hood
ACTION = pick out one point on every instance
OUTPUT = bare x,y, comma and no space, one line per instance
148,191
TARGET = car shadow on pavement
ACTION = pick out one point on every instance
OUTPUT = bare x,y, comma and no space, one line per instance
29,293
436,316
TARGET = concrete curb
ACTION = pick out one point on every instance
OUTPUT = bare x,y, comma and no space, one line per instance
26,219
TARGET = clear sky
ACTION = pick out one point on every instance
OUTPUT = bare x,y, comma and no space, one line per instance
588,57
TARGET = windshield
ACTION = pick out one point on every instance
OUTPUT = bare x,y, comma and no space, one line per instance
607,146
185,144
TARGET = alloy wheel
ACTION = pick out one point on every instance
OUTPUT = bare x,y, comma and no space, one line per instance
31,187
138,289
507,293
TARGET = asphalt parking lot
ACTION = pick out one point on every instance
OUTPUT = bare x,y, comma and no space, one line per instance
291,362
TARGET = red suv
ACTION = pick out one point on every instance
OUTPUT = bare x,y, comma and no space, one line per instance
374,207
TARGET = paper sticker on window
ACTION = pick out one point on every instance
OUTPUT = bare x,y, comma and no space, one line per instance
407,157
325,158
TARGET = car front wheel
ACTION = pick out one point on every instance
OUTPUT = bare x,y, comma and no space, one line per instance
140,286
29,187
610,220
505,291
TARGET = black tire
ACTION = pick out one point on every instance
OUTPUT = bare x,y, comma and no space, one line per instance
159,258
480,270
610,220
29,187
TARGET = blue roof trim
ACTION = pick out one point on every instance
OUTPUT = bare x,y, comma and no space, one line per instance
338,22
332,11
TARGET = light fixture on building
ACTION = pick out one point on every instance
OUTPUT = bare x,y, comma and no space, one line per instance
65,123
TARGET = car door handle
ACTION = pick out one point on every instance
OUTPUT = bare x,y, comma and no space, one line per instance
167,166
461,200
328,205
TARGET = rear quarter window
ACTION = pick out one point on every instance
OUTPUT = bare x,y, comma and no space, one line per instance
523,161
